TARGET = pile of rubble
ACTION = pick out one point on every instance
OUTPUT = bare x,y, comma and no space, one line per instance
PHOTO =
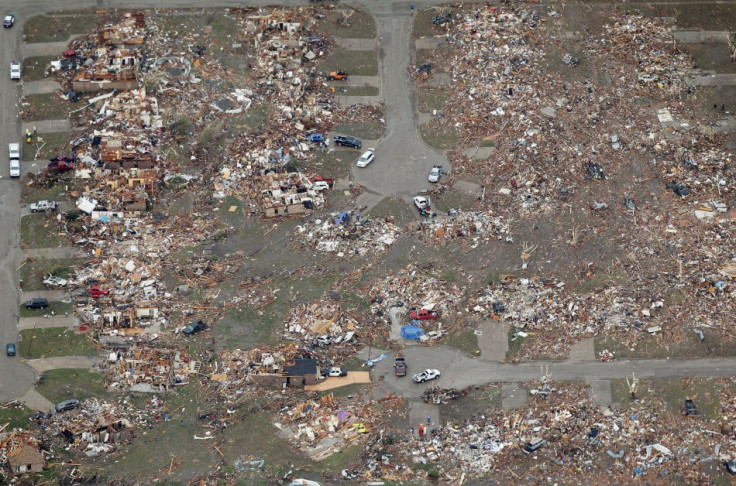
476,227
322,427
571,436
347,234
415,287
318,319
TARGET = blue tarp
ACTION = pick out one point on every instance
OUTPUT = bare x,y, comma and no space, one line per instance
410,331
342,217
316,138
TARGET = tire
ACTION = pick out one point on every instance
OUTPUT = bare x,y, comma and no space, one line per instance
34,210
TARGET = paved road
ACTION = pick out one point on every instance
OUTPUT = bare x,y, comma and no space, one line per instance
461,371
402,159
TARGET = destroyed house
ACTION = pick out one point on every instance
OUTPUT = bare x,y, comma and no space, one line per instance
302,372
25,459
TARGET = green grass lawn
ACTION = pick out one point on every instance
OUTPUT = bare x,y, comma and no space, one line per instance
40,231
672,392
34,68
440,138
53,342
32,272
63,384
356,63
360,24
465,341
371,130
432,98
16,417
46,146
45,106
58,27
58,308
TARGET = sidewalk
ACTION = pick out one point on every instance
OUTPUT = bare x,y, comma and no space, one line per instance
40,87
35,401
45,48
55,253
45,364
25,323
47,126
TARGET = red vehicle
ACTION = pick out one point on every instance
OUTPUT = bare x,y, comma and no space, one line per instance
422,314
68,53
96,291
60,165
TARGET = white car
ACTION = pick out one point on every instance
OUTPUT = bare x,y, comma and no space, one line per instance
426,375
435,174
15,70
366,158
14,156
52,281
43,206
422,203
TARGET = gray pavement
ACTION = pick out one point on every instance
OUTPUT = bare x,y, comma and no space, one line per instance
40,87
55,253
403,160
35,401
43,48
25,323
63,362
47,126
493,340
50,295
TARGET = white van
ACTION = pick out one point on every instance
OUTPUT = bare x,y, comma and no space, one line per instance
14,156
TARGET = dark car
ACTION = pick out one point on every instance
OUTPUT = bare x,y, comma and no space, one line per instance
9,21
690,408
442,19
193,328
37,303
400,367
70,404
730,467
348,141
10,349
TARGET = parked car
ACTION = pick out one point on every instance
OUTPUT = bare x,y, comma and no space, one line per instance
59,165
534,445
422,203
193,328
435,174
10,349
400,366
730,467
9,21
422,314
442,19
334,372
337,76
43,206
70,404
37,303
426,375
347,141
324,340
14,70
315,138
690,408
366,158
14,156
52,281
96,291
